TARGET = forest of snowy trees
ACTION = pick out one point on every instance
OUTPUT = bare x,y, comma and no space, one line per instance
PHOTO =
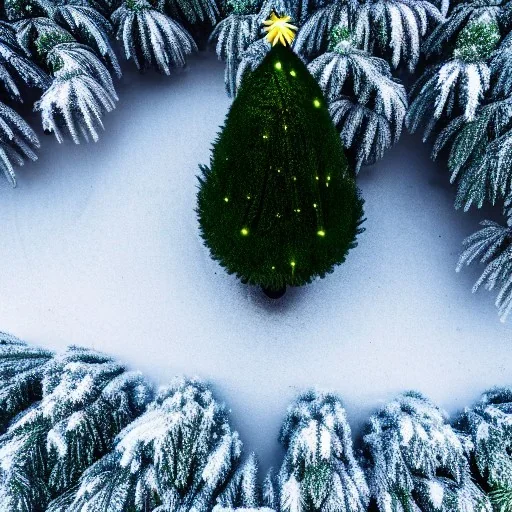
81,433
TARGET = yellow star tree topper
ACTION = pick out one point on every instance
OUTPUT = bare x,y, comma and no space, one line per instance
279,30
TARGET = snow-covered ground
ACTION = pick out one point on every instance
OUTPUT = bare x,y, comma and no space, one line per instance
100,247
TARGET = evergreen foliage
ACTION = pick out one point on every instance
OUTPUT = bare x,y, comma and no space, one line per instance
480,155
176,456
15,68
416,461
234,35
501,68
150,37
81,92
17,140
242,491
251,59
22,370
71,43
445,90
314,35
63,47
463,14
392,29
477,41
319,470
492,245
456,83
218,508
489,425
367,105
192,11
464,96
88,436
272,211
86,400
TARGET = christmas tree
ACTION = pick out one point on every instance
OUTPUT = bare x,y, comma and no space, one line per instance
279,204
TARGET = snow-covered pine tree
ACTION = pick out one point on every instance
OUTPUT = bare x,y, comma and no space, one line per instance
70,41
391,29
480,151
82,91
319,471
489,426
480,154
17,140
395,29
243,494
367,105
190,11
22,370
492,245
87,399
270,491
85,24
233,36
150,37
416,461
456,82
242,489
478,131
177,456
78,96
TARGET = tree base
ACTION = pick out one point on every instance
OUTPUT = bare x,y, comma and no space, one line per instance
274,294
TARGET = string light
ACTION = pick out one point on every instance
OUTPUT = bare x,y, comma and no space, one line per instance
294,178
292,263
314,205
244,231
316,102
320,232
265,136
328,178
273,268
248,197
292,72
226,199
317,178
278,65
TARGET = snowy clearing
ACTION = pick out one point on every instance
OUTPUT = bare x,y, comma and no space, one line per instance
101,248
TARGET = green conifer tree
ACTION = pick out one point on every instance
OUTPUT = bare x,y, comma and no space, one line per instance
279,204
